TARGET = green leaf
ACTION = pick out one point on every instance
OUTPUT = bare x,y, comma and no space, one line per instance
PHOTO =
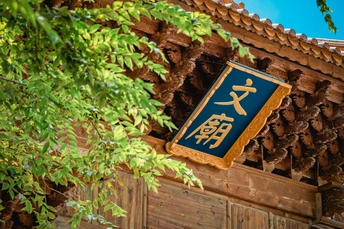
94,28
134,13
13,7
38,161
45,136
133,162
5,186
28,207
120,61
54,37
107,207
145,12
50,215
138,120
128,62
45,147
117,4
63,146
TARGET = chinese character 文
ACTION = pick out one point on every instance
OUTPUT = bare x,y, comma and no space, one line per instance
236,100
215,128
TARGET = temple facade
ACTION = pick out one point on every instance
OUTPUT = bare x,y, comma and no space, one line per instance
290,175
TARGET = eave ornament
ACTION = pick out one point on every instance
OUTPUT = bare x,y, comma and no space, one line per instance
231,113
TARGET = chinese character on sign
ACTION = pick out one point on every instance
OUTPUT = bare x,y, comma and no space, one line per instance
236,100
215,128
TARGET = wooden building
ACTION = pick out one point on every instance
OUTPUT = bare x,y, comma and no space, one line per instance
290,174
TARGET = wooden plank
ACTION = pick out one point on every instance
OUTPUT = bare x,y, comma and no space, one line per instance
175,207
243,217
285,223
272,212
318,199
130,197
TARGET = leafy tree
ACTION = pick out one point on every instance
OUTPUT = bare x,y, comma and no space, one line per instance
325,10
62,69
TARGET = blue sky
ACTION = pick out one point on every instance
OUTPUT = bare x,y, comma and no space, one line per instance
301,15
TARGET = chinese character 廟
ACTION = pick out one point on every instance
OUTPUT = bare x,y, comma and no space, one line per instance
215,128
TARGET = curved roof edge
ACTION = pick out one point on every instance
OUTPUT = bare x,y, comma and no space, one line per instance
326,49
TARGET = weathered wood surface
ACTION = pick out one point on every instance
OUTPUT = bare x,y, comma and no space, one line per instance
175,207
242,217
285,223
252,185
129,196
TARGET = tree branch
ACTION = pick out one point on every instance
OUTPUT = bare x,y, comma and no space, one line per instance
95,127
12,81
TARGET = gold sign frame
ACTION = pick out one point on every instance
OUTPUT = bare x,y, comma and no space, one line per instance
250,132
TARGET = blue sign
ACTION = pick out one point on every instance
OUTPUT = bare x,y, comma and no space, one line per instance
232,112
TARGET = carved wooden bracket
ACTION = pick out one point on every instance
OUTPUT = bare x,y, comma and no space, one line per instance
263,64
294,77
332,198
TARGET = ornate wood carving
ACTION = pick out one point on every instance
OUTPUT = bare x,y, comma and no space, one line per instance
298,98
268,141
251,147
263,131
314,152
297,128
319,97
327,109
285,103
294,77
276,156
331,172
263,64
332,198
289,113
278,127
310,113
340,133
338,123
296,150
303,165
174,55
307,138
333,146
273,117
326,136
289,141
317,123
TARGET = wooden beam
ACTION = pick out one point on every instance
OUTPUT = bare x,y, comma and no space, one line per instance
251,184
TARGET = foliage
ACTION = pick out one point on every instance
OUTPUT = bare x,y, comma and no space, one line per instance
61,69
325,10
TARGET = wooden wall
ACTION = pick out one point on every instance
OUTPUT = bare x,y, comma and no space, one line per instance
241,197
178,207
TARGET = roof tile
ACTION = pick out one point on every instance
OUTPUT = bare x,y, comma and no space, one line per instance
327,50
